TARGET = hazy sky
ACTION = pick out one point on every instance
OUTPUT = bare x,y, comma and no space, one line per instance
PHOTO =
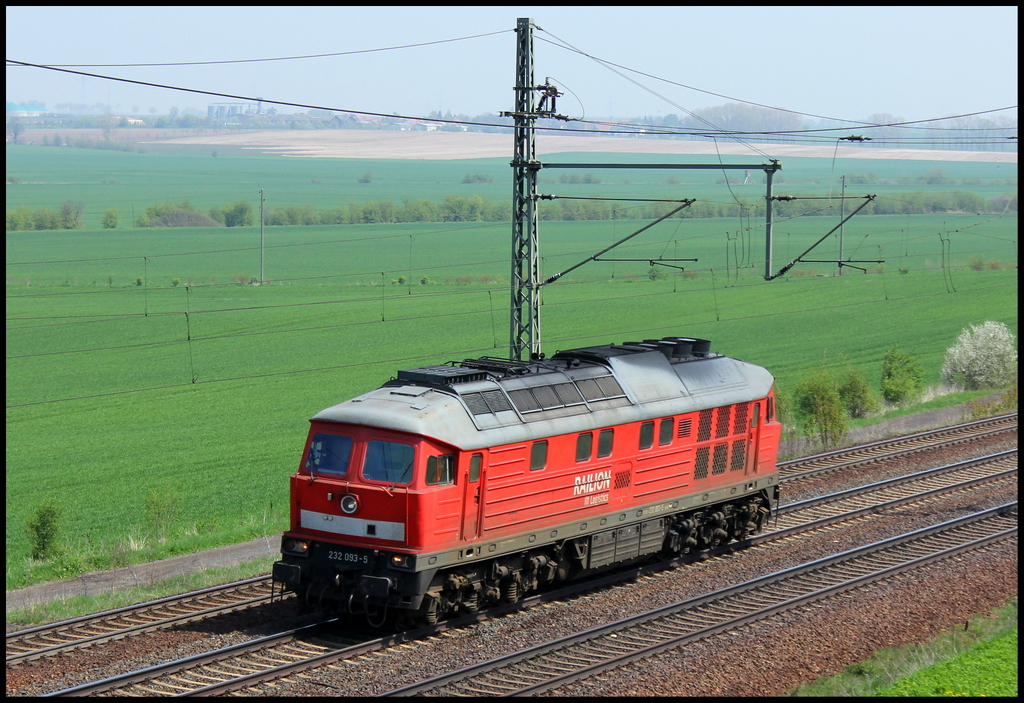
843,62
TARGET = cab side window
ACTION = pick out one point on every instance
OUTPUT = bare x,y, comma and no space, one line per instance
604,442
441,470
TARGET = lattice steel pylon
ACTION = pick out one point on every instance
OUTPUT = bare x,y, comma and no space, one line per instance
524,337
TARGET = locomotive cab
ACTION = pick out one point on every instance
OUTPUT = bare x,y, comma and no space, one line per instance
351,540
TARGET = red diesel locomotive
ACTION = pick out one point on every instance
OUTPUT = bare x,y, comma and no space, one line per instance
457,486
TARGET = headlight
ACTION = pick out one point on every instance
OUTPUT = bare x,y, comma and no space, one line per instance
296,546
349,504
401,561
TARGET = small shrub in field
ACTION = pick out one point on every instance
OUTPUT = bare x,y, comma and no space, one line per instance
366,178
902,377
110,219
984,356
161,509
820,409
44,529
856,394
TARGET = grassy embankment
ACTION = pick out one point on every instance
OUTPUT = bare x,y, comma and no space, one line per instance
978,659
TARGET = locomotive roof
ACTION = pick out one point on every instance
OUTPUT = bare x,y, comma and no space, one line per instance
485,402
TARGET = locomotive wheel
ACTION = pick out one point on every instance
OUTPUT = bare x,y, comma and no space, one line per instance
431,613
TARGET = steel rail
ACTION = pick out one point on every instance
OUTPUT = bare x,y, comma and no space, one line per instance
117,623
896,446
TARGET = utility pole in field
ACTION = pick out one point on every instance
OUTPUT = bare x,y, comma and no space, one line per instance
261,236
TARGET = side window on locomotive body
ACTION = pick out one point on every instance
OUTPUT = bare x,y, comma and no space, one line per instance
441,470
605,439
539,455
584,446
665,431
329,454
647,435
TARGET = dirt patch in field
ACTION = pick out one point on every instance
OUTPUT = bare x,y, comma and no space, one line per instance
355,144
375,144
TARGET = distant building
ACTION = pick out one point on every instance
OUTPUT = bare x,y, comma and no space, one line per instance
24,109
350,121
135,122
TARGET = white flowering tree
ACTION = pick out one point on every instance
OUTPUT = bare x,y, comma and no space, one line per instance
984,356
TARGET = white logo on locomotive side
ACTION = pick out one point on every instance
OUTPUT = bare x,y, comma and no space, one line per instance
592,483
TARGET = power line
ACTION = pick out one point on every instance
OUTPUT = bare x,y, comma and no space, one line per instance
565,45
278,58
633,131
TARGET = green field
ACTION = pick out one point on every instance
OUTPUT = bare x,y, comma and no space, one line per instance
193,389
989,669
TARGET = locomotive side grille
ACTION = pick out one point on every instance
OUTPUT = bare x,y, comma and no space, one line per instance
739,454
524,400
486,402
701,465
476,403
546,397
600,388
622,479
721,458
609,386
496,401
724,416
741,419
704,430
685,427
568,393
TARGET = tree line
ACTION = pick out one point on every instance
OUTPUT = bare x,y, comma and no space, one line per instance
475,208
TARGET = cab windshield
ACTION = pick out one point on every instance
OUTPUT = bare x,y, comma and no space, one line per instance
329,454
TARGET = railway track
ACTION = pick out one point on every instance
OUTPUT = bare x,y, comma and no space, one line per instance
896,446
252,663
54,638
891,493
547,667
